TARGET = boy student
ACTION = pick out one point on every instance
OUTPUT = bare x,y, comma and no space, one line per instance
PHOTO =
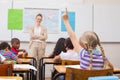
15,43
5,51
70,54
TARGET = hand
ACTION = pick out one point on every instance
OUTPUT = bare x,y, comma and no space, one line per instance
65,15
19,60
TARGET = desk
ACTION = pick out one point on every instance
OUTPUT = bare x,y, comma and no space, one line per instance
26,61
61,69
24,68
42,63
10,78
34,60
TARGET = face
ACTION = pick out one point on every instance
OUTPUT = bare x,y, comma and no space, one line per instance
38,19
16,45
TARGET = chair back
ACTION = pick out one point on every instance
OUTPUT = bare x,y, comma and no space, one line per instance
6,69
70,62
80,74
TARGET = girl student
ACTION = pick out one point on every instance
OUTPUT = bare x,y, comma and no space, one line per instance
59,47
69,54
90,56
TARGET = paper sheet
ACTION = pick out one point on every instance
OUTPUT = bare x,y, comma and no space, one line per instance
25,66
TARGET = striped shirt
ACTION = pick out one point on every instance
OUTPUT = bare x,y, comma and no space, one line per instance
97,60
8,55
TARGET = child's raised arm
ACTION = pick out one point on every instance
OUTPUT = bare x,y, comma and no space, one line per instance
70,32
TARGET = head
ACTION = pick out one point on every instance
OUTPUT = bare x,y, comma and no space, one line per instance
15,42
5,46
68,44
89,40
59,47
38,18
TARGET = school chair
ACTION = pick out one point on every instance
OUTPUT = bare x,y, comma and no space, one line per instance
55,74
81,74
70,62
6,69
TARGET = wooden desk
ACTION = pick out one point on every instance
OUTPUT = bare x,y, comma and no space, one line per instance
42,63
61,69
26,61
10,77
24,68
33,60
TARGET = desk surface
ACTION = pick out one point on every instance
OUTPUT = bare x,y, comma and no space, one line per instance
10,78
50,61
62,68
26,61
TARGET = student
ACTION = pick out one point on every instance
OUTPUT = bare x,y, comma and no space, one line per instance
59,47
70,54
5,51
15,43
90,56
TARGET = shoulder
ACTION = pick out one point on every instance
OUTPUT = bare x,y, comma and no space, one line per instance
44,28
83,52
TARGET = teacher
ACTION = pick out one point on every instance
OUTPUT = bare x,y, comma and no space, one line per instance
38,36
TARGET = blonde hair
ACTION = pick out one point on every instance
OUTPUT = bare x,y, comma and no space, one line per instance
90,40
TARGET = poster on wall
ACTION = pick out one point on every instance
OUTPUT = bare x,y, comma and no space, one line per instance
15,19
51,19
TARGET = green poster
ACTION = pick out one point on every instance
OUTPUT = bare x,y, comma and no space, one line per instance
15,19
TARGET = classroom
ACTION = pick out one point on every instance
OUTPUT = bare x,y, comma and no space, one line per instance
100,16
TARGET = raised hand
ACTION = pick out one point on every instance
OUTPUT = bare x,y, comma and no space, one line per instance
65,15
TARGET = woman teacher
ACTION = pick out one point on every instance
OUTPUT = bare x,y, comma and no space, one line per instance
38,36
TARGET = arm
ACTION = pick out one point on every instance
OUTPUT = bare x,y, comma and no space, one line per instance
43,36
57,58
32,36
72,35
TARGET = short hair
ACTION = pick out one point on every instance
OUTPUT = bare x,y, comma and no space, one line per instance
14,40
4,45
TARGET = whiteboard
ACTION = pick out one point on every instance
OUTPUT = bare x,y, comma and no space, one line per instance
83,17
5,34
51,19
107,22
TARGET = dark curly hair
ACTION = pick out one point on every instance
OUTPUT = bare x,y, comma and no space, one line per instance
4,45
